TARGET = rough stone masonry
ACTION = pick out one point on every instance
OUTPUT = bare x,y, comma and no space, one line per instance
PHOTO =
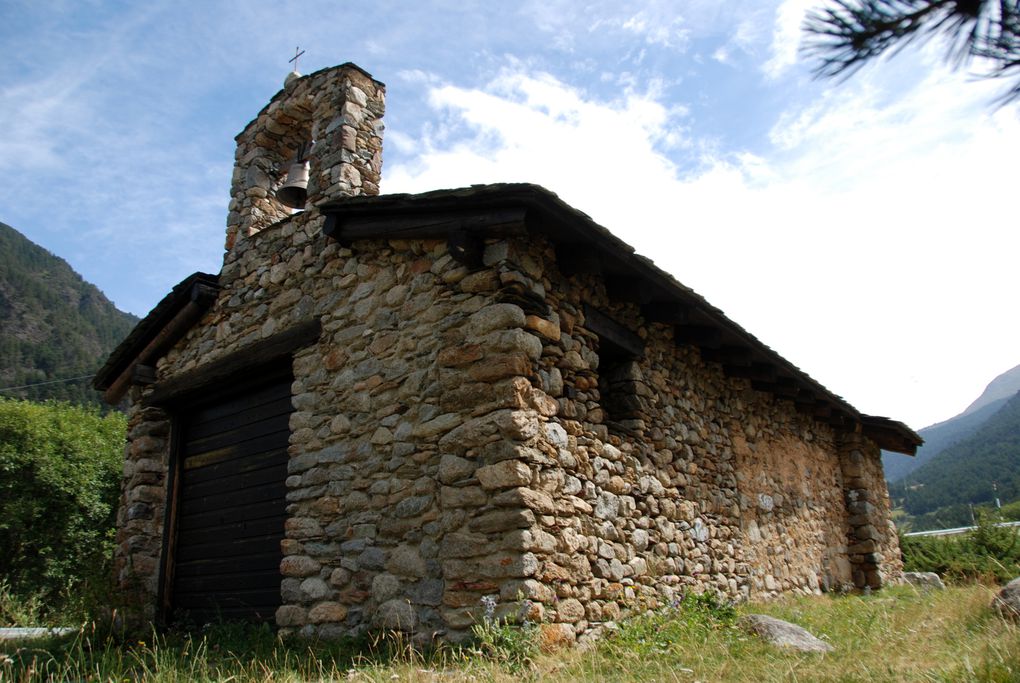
472,417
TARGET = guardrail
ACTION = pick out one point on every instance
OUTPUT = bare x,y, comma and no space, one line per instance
957,530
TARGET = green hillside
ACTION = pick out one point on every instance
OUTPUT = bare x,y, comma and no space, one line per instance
937,438
975,471
53,325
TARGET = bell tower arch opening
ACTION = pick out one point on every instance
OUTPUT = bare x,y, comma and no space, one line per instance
328,124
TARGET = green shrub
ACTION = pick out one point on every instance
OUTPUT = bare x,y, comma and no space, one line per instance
1011,511
513,646
60,469
989,553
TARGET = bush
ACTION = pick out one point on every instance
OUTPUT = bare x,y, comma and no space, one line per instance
60,469
989,553
1011,511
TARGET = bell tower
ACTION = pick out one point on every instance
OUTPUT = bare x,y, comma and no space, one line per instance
323,131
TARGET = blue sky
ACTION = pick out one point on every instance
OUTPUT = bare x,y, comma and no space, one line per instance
866,229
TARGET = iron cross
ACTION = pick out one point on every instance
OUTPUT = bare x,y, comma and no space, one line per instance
297,53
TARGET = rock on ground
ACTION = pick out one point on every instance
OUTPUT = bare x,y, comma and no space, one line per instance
1007,602
782,633
929,580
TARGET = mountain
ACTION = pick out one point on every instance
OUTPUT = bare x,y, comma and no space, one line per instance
975,470
940,436
999,390
54,326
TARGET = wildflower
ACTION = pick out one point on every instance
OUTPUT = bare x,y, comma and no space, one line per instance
489,603
525,610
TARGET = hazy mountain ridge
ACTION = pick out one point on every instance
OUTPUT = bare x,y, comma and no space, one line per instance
1000,389
53,324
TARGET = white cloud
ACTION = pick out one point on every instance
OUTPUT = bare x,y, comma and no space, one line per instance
498,134
786,35
656,22
871,246
659,28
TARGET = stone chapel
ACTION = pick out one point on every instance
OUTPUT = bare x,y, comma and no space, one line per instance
384,408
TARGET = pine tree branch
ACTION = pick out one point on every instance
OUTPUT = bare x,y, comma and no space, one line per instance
847,34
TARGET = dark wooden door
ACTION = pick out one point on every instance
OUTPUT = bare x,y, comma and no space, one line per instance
232,465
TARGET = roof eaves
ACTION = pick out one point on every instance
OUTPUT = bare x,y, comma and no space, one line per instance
148,327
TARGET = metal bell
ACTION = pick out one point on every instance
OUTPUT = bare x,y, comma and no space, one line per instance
294,191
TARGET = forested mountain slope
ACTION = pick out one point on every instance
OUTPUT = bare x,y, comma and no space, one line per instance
53,324
975,470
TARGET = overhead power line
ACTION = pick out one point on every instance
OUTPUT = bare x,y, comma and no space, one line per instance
52,381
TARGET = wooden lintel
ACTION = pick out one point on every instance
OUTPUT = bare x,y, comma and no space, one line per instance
466,248
762,372
669,312
578,259
730,355
225,369
698,335
628,289
347,229
613,334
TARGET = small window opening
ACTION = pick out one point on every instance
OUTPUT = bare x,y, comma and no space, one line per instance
621,388
623,394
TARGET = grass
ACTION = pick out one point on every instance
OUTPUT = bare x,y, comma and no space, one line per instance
898,634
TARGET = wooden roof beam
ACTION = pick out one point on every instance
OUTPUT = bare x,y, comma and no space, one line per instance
729,355
613,334
838,418
784,387
578,259
628,289
762,372
668,312
200,298
702,336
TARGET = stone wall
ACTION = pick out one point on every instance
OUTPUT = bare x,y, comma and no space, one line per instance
450,443
701,483
874,550
416,360
142,508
